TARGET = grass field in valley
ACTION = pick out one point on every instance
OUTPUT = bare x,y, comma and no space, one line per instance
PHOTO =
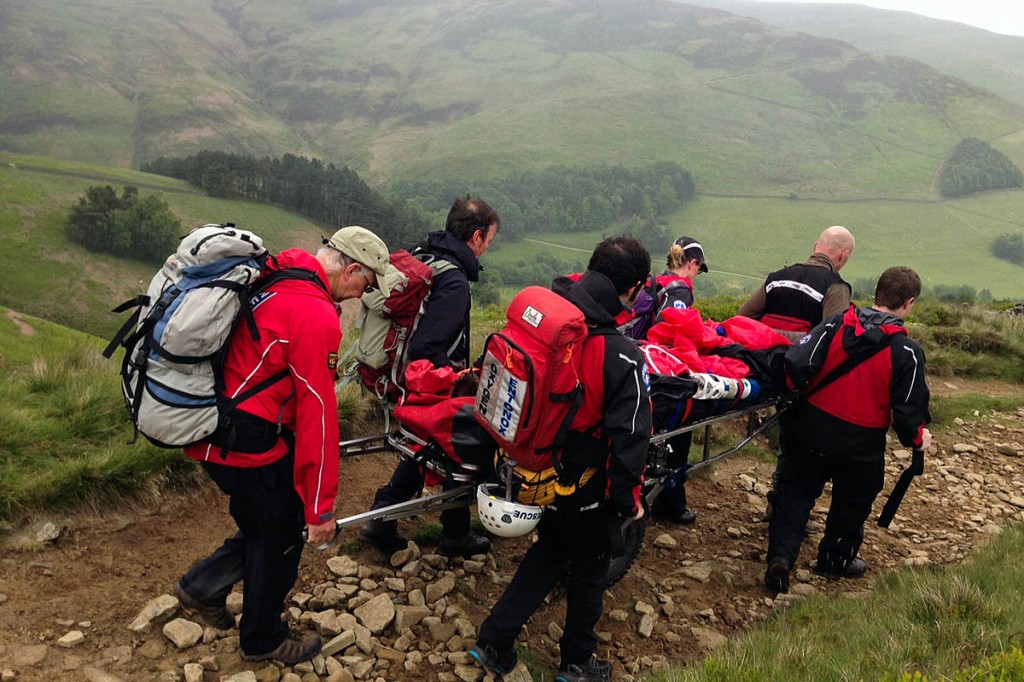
947,242
43,274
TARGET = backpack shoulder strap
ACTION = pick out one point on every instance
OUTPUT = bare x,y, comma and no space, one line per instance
845,368
263,283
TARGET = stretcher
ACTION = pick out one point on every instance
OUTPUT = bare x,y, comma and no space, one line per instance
760,415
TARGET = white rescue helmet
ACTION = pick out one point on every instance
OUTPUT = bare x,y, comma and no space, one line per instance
502,517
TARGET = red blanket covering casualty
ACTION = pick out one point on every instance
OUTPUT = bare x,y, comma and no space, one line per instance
429,411
682,343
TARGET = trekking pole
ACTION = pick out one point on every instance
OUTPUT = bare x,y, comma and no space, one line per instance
916,468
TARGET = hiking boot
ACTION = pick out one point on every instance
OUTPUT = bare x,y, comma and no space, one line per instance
296,648
685,518
492,660
214,615
384,536
855,569
594,670
776,578
465,546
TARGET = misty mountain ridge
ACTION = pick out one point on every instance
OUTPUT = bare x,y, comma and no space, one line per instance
418,89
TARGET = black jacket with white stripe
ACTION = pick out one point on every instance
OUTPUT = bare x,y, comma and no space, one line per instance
850,416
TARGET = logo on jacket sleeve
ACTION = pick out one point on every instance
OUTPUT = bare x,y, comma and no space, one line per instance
332,361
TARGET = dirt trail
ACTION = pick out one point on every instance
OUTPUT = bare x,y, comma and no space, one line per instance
105,566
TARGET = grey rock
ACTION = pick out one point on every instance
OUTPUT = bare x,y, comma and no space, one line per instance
376,614
155,610
49,532
193,672
343,566
339,643
440,588
71,639
183,633
409,616
708,639
666,541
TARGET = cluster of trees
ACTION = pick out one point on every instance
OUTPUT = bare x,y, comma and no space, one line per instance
1009,247
974,166
568,199
128,226
327,194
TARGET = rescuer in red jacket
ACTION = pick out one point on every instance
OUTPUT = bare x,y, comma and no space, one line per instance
838,432
281,471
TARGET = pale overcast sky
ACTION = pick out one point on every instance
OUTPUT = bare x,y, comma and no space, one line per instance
1000,16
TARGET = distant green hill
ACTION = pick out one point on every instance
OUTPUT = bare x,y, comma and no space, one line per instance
414,89
990,60
43,274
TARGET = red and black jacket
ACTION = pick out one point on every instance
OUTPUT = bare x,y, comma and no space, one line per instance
612,430
850,416
794,296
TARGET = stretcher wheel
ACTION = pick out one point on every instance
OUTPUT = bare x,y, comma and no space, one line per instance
633,539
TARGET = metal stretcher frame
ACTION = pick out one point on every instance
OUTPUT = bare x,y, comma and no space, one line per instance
465,495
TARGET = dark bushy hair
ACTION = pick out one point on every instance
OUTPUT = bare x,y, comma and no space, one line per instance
467,215
623,260
896,286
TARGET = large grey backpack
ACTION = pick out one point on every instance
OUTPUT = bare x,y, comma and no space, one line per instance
176,340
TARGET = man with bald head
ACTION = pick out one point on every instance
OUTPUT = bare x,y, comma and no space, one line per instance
796,298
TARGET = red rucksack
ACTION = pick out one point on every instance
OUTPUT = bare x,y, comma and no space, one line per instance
386,325
530,389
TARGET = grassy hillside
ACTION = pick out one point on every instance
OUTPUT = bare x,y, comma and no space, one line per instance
994,62
43,274
416,88
947,242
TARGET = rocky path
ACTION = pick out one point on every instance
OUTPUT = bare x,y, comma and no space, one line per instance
87,597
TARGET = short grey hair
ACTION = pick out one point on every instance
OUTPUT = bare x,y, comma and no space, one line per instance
334,261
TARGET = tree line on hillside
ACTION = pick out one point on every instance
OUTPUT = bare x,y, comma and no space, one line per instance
330,195
974,166
128,226
1009,247
569,199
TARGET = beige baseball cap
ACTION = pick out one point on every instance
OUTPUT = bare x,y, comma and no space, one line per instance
365,248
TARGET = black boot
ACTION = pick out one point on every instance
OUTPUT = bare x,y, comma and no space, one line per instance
384,535
776,578
465,546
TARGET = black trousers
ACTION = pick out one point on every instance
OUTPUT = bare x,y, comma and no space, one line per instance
407,482
802,475
671,502
264,554
572,544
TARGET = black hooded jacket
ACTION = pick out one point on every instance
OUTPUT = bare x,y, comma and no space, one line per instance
442,335
617,407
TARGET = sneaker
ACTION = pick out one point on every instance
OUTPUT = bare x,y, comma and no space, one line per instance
214,615
384,536
686,517
594,670
499,663
465,546
776,578
296,648
855,569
